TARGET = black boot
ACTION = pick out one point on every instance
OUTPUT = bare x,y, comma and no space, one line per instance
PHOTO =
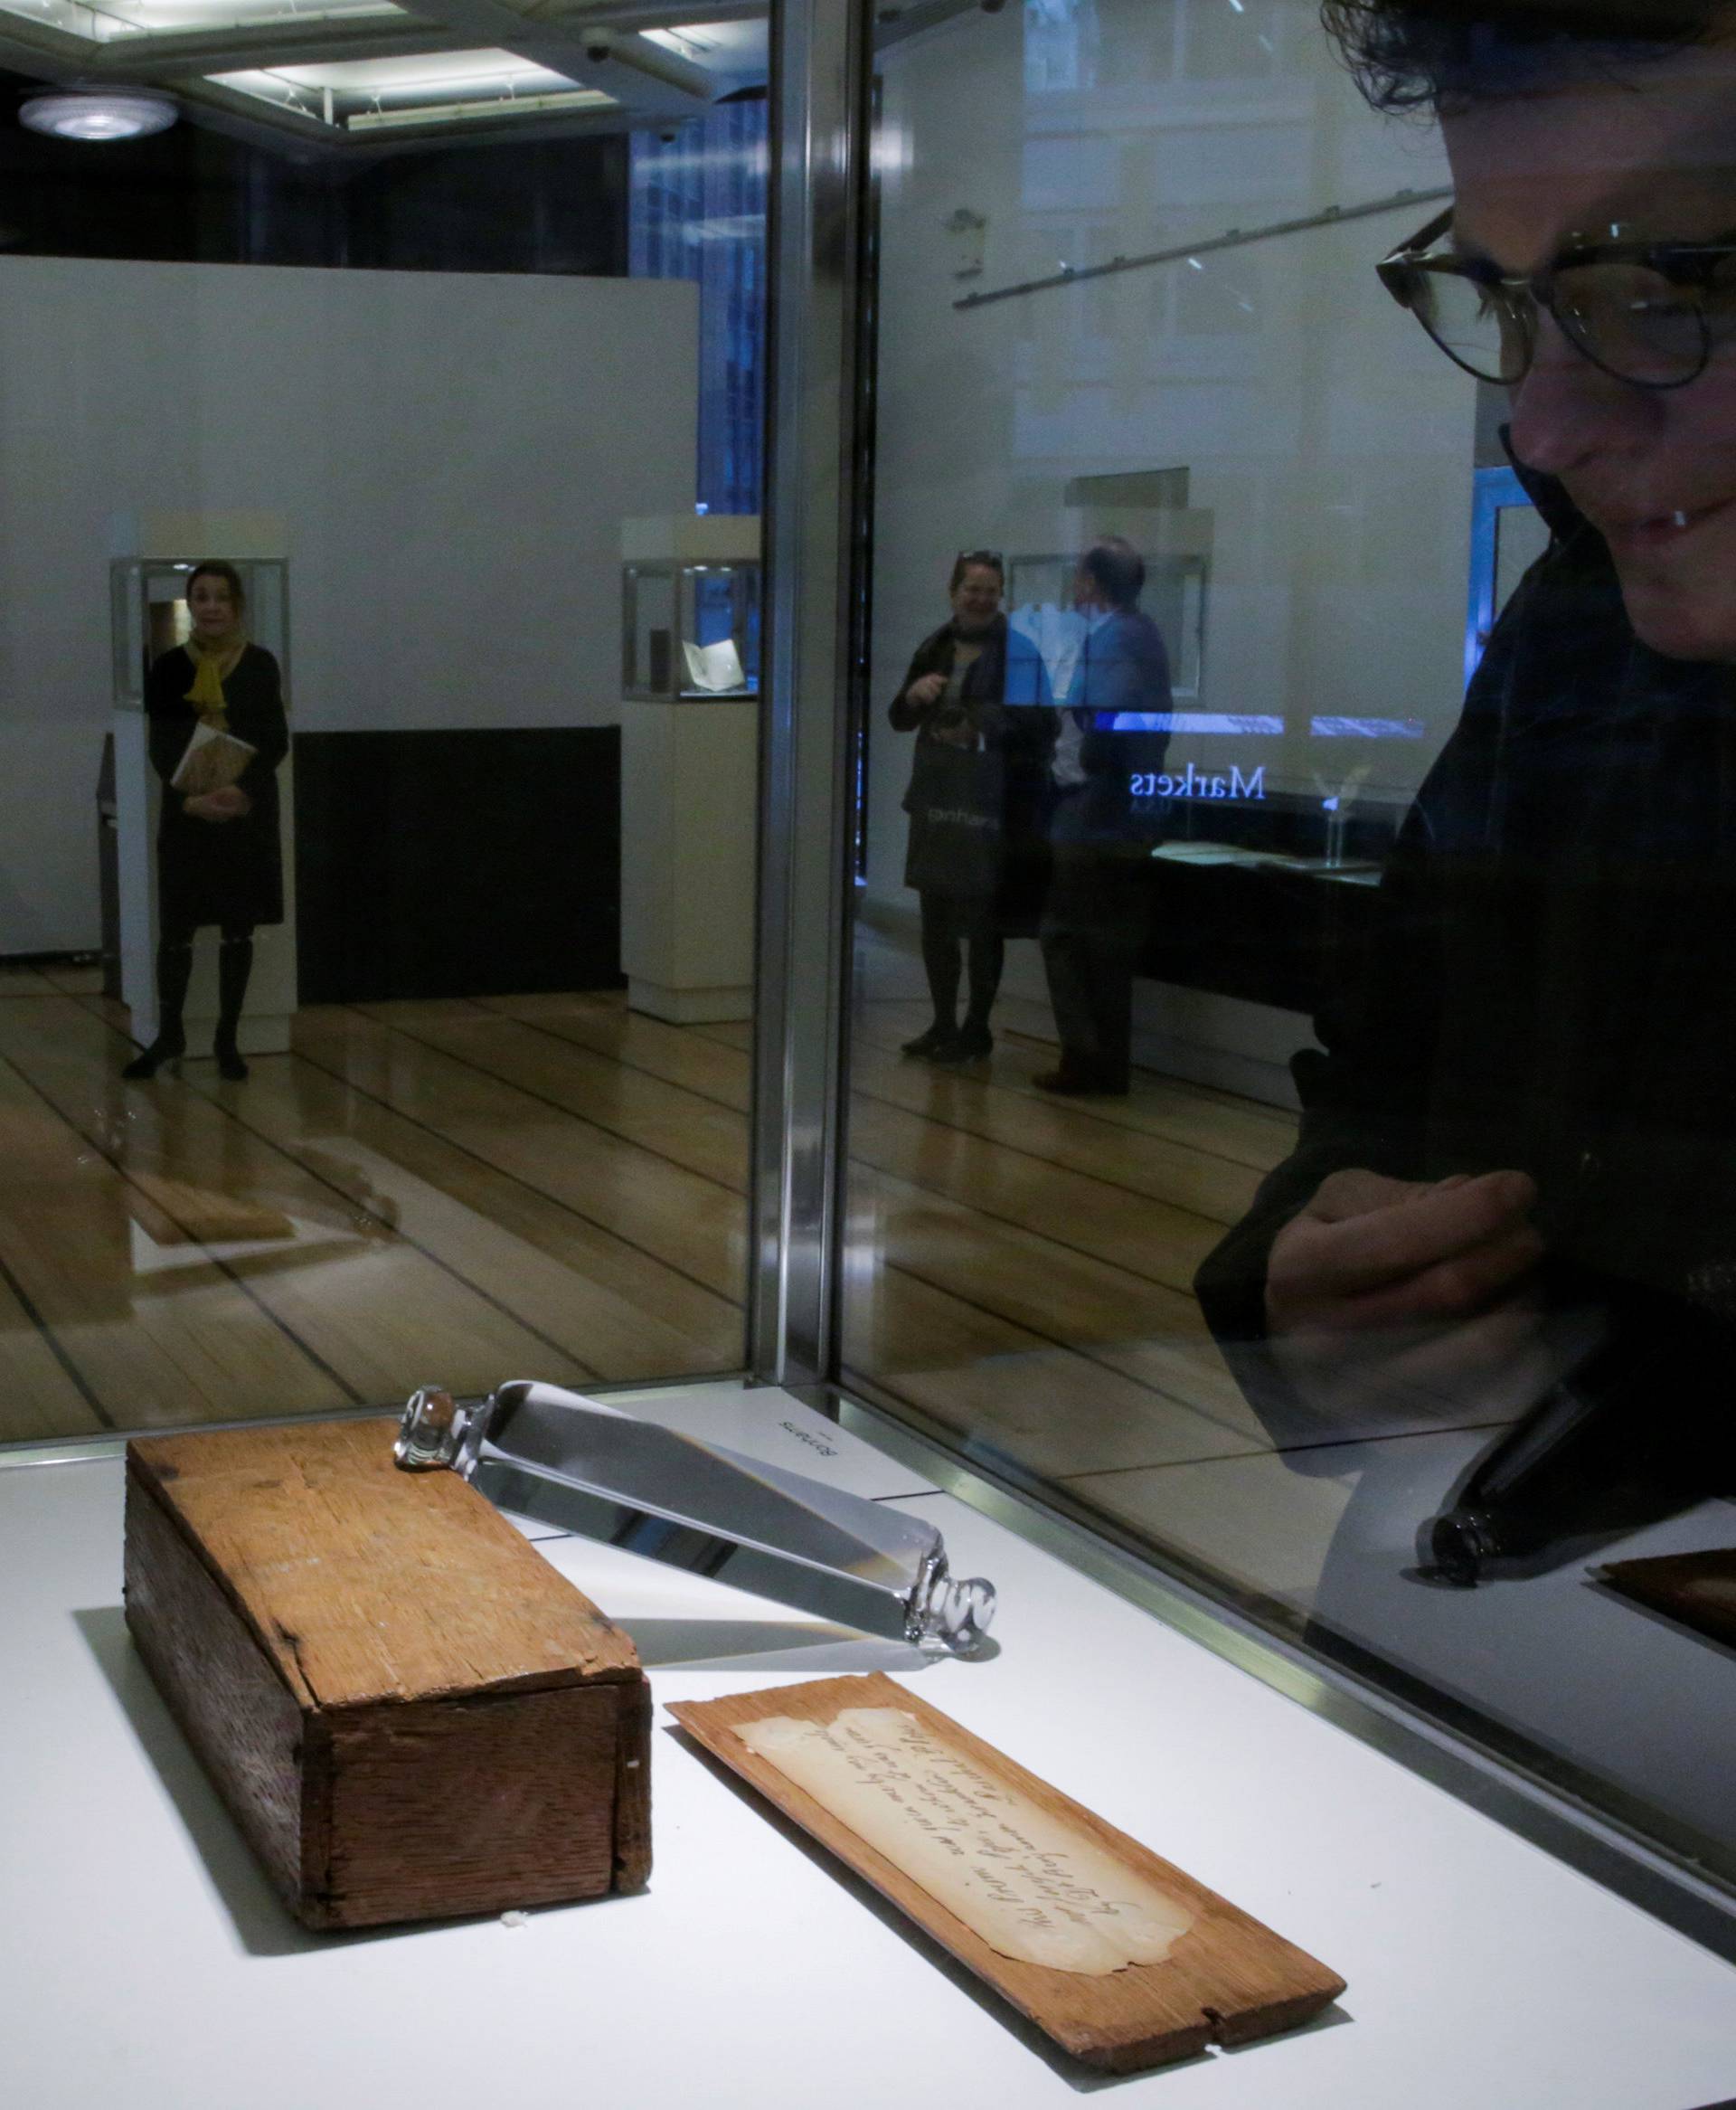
926,1043
174,972
234,965
973,1043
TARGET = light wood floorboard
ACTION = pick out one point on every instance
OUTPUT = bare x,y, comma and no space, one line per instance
692,1224
23,981
146,1353
974,1259
612,1311
1193,1115
554,1185
357,1304
676,1054
1000,1346
37,1395
1148,1331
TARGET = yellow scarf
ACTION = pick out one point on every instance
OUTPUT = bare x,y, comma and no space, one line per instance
210,667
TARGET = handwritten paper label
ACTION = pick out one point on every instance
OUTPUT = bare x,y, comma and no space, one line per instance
1033,1887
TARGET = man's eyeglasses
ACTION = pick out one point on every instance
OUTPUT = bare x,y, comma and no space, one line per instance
1648,312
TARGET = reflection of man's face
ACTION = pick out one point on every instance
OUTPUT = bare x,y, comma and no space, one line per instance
975,599
212,606
1654,471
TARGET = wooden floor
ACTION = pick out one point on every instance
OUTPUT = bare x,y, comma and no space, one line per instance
464,1191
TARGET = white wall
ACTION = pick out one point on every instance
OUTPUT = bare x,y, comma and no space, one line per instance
1331,444
453,455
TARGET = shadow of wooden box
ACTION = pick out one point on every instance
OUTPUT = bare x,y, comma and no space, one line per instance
408,1711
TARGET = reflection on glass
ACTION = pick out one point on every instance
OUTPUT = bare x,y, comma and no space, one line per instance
975,696
1342,1202
456,1146
217,733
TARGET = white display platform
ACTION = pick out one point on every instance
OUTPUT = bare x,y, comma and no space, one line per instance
690,774
145,1962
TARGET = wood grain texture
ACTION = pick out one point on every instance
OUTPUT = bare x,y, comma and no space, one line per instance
409,1713
313,1531
236,1712
177,1212
1228,1980
469,1804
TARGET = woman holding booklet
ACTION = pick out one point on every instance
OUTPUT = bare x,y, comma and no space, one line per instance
217,734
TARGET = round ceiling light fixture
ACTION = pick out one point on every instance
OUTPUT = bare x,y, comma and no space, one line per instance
98,113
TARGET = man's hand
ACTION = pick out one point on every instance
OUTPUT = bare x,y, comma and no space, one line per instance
928,692
1372,1253
1392,1302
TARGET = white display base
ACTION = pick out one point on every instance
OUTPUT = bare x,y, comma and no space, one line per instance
146,1962
690,777
690,1007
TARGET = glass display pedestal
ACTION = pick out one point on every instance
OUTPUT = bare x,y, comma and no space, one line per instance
690,764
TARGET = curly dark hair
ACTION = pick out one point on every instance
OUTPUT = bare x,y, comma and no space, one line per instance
1434,54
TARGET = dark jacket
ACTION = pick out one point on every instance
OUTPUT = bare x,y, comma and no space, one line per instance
1122,677
1551,983
1017,738
219,872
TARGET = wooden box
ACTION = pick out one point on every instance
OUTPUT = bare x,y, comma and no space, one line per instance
408,1712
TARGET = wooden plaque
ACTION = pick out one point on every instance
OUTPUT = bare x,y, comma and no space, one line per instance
408,1712
1699,1589
1226,1979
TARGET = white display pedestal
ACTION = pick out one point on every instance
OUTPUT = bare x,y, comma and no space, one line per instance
689,822
147,1961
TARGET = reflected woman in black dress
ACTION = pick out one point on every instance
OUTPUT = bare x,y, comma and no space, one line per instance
979,780
219,857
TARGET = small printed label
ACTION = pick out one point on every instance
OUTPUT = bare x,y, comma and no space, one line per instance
813,1443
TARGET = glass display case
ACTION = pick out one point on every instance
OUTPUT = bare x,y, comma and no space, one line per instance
148,614
689,609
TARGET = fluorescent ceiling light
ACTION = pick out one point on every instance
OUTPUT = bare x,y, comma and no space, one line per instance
430,87
98,113
115,21
447,73
722,47
512,106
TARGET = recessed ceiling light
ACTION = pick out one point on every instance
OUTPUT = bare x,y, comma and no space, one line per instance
98,113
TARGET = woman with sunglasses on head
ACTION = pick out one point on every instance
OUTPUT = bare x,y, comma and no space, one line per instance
219,859
1521,1135
978,782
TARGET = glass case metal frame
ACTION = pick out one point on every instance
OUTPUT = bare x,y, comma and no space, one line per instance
817,583
816,556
